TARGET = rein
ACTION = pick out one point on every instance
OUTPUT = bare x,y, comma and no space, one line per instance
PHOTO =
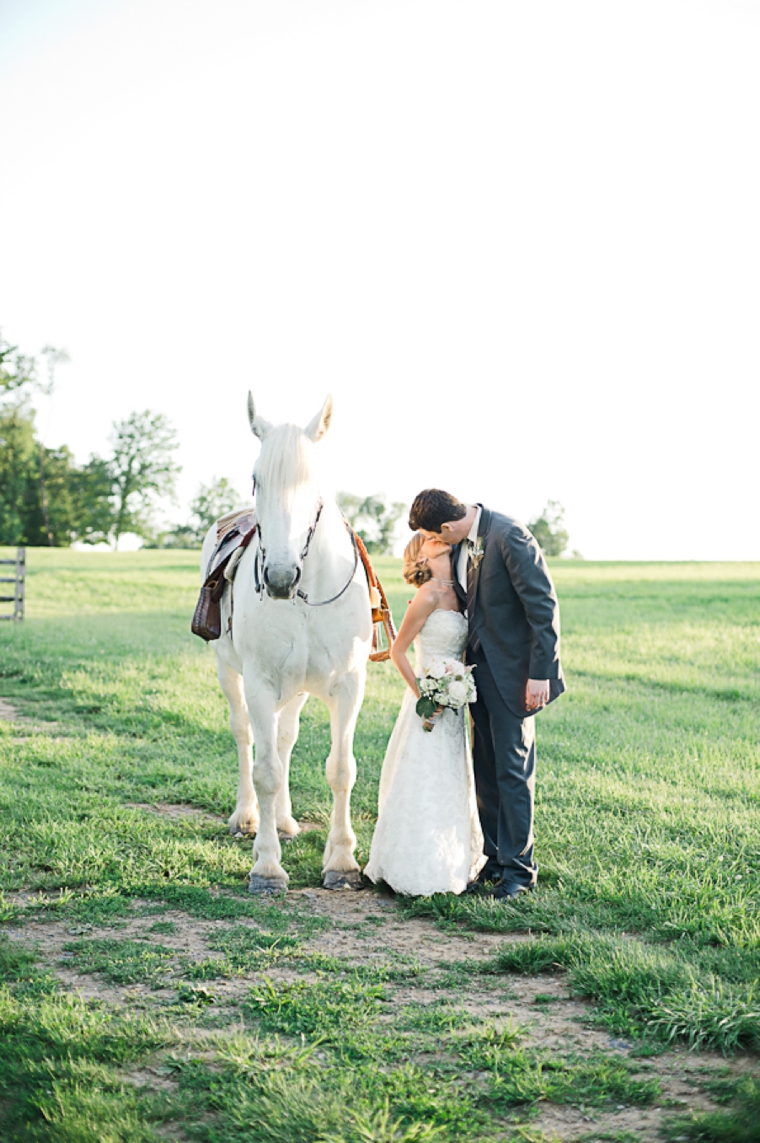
259,585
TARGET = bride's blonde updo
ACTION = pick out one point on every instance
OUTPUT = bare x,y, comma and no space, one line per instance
411,570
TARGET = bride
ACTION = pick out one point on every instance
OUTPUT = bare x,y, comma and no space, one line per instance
428,837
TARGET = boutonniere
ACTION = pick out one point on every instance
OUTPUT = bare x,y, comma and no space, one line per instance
477,552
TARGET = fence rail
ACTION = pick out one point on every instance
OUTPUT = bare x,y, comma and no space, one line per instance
18,580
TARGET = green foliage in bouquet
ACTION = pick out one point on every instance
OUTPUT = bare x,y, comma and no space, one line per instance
426,707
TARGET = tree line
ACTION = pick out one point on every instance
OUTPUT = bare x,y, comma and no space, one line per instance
46,498
375,521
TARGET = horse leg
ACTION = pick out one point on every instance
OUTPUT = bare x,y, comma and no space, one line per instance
267,875
287,733
245,818
340,868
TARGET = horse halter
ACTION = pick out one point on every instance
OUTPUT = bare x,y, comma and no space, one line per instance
259,579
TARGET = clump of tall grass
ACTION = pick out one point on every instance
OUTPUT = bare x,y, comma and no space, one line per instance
645,991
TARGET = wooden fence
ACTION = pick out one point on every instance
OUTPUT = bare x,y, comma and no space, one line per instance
17,599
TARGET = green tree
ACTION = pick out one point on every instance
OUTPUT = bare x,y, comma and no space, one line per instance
142,470
78,499
373,519
18,371
52,510
181,536
19,483
91,489
549,529
19,471
45,497
25,500
212,501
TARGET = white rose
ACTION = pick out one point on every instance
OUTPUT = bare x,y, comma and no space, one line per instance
457,694
436,669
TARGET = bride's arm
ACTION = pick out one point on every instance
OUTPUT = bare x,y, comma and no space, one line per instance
424,602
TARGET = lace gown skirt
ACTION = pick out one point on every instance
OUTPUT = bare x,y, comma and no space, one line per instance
428,837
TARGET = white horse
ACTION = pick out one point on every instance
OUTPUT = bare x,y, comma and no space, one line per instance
300,625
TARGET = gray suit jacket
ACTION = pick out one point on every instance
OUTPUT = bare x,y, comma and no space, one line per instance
516,613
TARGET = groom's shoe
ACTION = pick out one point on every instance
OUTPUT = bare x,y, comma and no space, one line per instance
490,872
509,890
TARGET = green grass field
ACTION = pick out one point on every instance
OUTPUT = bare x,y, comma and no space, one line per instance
648,839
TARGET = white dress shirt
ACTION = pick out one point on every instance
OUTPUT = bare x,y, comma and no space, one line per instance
464,551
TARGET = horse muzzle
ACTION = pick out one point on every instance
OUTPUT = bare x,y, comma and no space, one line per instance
281,581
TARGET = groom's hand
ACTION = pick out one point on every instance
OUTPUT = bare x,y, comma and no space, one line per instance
536,693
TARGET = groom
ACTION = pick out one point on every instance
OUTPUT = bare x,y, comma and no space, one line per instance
513,615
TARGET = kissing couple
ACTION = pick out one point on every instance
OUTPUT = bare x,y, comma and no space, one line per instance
452,817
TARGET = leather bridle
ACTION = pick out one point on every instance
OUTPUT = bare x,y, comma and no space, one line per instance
258,579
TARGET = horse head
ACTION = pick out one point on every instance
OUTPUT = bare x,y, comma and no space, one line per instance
288,499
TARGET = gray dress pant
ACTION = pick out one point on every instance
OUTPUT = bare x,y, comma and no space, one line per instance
504,759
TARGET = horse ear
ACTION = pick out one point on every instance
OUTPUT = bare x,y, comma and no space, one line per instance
259,427
317,427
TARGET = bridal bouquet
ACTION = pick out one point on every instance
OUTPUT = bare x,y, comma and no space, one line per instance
446,682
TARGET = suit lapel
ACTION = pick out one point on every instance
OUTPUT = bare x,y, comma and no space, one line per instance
473,574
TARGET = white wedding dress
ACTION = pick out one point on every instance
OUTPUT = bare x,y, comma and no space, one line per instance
428,837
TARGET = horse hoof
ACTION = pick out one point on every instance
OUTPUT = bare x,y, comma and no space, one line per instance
244,829
336,880
286,838
288,828
266,886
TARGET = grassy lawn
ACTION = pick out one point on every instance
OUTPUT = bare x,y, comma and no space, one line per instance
146,995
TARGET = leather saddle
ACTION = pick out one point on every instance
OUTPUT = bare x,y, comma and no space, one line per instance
234,533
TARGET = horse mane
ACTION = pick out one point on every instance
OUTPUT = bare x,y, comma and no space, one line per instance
285,460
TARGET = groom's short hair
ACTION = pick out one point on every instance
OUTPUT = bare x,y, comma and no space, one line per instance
433,508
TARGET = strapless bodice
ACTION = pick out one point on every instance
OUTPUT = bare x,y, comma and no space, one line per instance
443,636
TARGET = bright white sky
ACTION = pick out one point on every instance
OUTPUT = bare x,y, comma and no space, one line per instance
519,243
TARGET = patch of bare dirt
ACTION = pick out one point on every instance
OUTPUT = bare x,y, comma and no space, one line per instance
153,1078
173,811
9,713
680,1093
366,928
188,939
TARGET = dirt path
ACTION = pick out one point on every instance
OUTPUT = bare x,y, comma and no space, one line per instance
366,928
8,712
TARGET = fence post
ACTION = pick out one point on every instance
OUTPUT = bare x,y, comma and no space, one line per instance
18,603
18,580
